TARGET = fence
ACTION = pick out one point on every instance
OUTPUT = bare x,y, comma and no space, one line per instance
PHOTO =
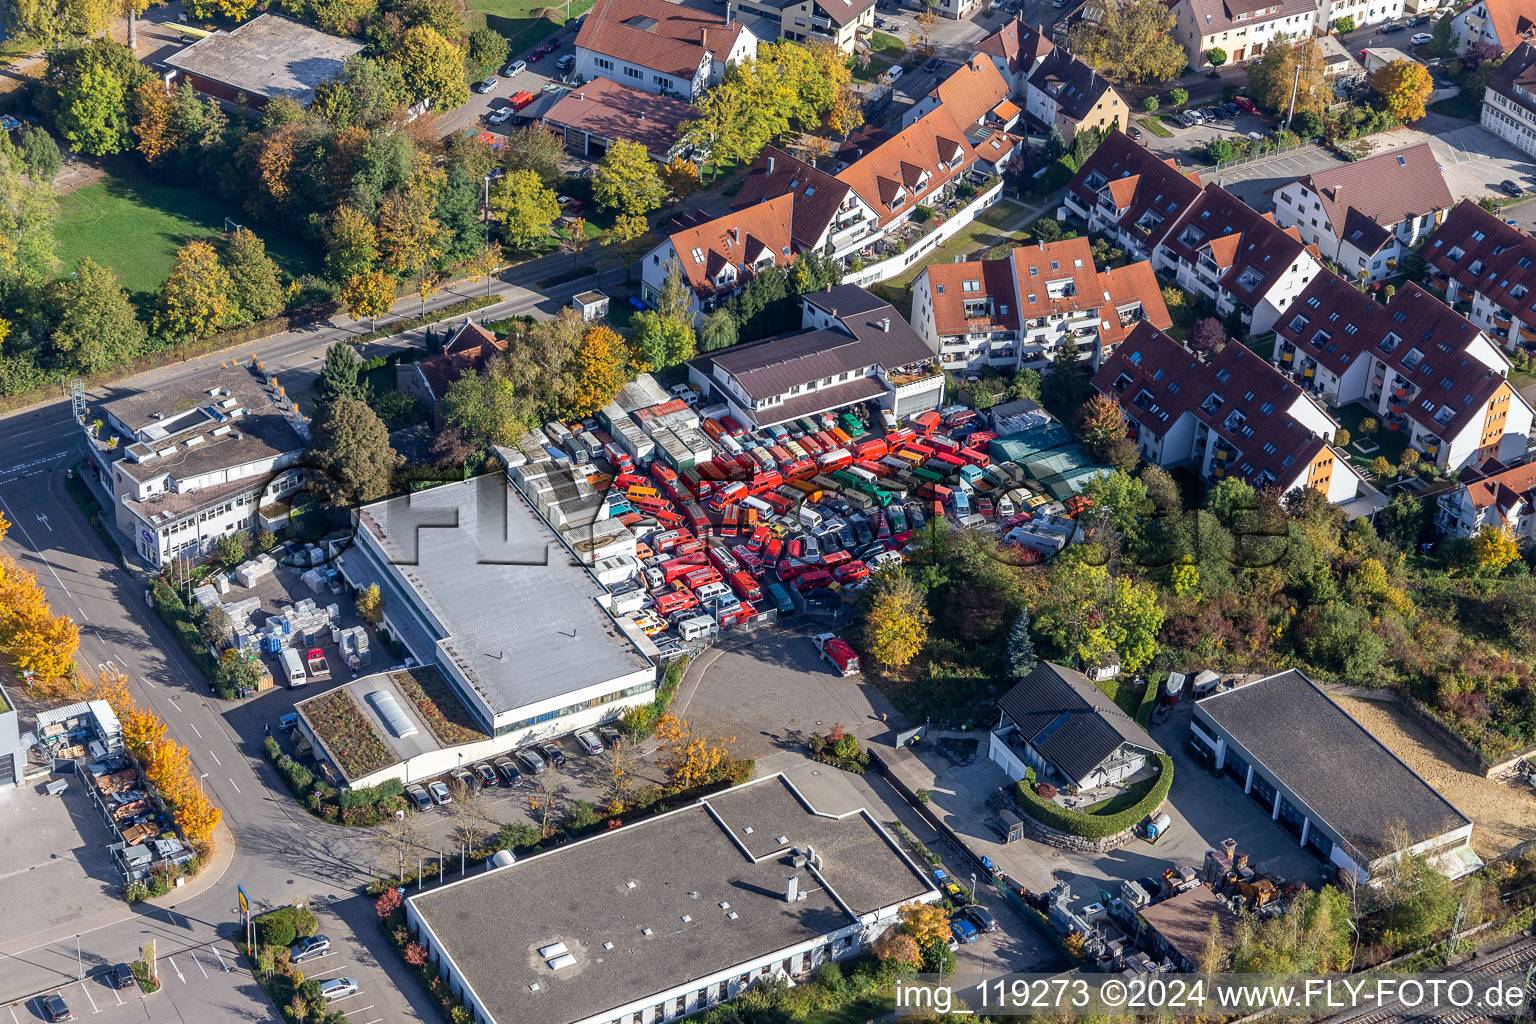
1268,154
892,266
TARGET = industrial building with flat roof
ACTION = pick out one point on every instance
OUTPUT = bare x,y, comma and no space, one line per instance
476,583
671,915
1326,780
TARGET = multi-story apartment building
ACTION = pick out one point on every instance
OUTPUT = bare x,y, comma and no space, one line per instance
1057,89
718,257
1364,215
1242,28
1494,495
839,22
971,95
1235,416
1421,368
1509,99
1501,23
191,461
1017,51
853,347
1364,12
660,47
1128,194
1018,311
1487,267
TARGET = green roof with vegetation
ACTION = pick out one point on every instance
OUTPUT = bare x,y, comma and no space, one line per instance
438,705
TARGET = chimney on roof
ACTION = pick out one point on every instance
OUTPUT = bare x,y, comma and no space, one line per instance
792,889
770,163
581,96
736,231
885,324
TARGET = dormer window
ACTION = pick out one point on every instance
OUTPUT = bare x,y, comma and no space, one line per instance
1250,279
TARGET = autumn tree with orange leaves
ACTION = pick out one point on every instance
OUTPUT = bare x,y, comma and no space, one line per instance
689,757
31,636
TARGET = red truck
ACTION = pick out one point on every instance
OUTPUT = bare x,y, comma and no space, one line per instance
727,495
675,601
745,586
836,650
677,568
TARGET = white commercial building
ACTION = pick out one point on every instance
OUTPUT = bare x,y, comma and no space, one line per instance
189,462
670,915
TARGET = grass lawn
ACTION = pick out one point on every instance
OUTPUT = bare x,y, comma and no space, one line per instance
1389,443
1459,106
887,45
857,1012
1120,801
1521,379
134,224
981,233
1264,346
1156,127
516,19
873,71
1124,692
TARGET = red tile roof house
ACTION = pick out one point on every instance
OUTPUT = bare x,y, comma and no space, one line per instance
1502,23
1236,416
1420,368
1490,495
1018,311
1365,215
1509,99
718,257
471,349
659,47
592,116
1489,272
1127,193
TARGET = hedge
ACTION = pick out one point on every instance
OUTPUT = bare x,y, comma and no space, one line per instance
174,613
1093,826
1148,702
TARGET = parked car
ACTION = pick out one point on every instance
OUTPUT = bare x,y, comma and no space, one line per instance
1389,30
466,778
1420,38
588,742
1134,133
552,754
1509,188
1245,104
338,988
566,63
510,776
934,64
981,917
486,774
895,72
517,67
836,650
532,763
501,116
610,736
419,798
306,949
54,1008
489,85
122,976
439,792
963,930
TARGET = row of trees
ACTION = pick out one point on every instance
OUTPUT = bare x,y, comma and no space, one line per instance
39,645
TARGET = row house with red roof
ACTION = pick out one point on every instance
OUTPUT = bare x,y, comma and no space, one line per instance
1421,368
1057,89
1212,243
1489,272
1492,494
1236,416
1020,311
660,47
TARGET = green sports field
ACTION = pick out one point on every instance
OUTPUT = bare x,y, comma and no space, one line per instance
134,224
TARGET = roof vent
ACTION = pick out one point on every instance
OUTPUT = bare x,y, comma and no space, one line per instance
686,919
748,830
565,960
534,987
645,931
629,885
731,915
607,945
552,950
724,905
782,839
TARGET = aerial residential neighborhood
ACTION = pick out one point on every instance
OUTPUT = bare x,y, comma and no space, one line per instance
749,511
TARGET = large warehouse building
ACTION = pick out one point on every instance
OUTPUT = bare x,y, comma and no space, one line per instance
668,916
475,583
1326,780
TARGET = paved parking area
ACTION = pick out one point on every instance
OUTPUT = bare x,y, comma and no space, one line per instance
204,983
55,872
1186,140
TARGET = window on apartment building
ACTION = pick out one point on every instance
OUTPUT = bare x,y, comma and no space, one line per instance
604,63
633,73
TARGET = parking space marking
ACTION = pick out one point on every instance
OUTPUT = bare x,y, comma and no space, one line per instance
194,729
172,961
94,1007
198,962
117,995
13,1014
237,788
216,759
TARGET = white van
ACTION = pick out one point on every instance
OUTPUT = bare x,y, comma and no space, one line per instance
711,591
293,668
695,627
753,501
809,516
884,558
557,431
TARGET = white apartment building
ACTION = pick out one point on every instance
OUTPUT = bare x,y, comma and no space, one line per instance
660,47
1489,272
1509,99
1242,28
1501,23
189,462
1018,311
1490,495
1365,215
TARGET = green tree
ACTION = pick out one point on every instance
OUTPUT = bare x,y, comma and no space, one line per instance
660,341
1272,75
629,237
1230,500
1403,86
537,149
1121,501
1442,36
1216,56
256,286
195,298
1026,383
486,51
39,153
370,604
431,68
1091,615
484,407
718,330
351,444
338,378
627,181
1019,660
352,245
1344,25
1149,105
97,326
93,114
895,618
728,126
524,207
1178,97
1132,42
1101,423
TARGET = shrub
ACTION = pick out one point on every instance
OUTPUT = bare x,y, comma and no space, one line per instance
277,929
135,892
272,749
1045,790
1093,826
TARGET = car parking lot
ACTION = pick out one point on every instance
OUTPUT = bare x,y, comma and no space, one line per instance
1186,141
200,983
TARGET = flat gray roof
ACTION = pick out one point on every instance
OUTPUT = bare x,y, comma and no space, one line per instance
1318,751
685,863
522,619
268,56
